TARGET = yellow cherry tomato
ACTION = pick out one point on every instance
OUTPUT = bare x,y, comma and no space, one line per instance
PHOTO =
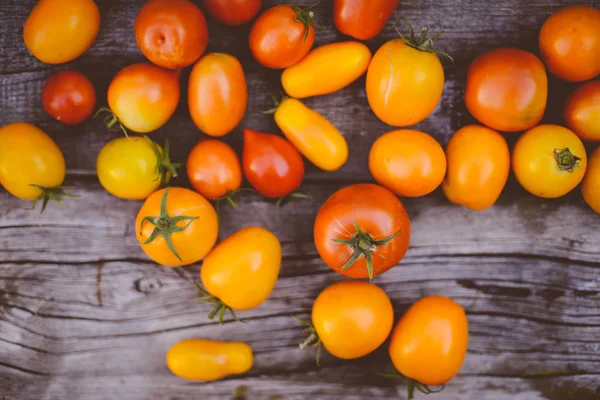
478,167
591,183
58,31
209,360
326,69
312,134
549,161
242,270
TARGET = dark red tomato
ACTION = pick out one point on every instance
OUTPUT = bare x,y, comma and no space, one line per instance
272,165
362,19
362,231
232,12
69,97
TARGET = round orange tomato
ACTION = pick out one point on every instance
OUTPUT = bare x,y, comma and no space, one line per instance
69,97
176,227
217,95
570,43
363,20
143,96
591,183
232,12
478,167
507,89
409,163
582,111
429,343
171,33
282,36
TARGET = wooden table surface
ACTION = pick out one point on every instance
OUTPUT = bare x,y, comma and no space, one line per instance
85,315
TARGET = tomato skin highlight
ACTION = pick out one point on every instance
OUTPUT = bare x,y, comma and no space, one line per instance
171,33
209,360
352,318
59,31
272,165
144,96
570,43
69,97
478,167
218,94
429,343
233,12
326,69
363,20
590,187
582,111
242,270
312,134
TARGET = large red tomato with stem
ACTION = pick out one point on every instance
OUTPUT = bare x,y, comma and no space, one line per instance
282,36
69,97
362,231
232,12
363,20
271,164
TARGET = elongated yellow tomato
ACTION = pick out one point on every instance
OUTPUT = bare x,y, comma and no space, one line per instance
478,167
591,183
326,69
58,31
243,269
312,134
209,360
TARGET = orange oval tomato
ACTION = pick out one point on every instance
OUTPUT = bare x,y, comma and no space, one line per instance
363,20
582,111
209,360
591,182
410,163
352,318
549,161
59,31
143,96
429,343
171,33
282,36
214,169
326,69
69,97
478,167
507,89
176,226
570,43
232,12
217,94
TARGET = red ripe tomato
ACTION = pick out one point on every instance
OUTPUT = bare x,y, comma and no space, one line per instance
69,97
171,33
282,36
361,19
232,12
271,164
362,231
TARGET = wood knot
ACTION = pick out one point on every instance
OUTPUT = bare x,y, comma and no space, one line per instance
148,285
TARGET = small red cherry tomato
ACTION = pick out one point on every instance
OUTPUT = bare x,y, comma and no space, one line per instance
232,12
69,97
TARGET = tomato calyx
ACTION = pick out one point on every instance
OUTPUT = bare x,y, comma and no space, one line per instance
566,160
363,245
111,121
276,103
291,197
164,166
413,384
313,339
219,307
305,16
51,193
422,43
166,225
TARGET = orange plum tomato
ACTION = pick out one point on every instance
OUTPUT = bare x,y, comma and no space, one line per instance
582,111
591,182
232,12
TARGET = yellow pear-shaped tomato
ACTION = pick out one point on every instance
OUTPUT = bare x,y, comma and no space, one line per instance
58,31
242,270
478,167
591,183
209,360
326,69
312,134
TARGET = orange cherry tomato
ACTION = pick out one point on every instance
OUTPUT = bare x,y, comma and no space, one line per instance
282,36
507,89
570,43
217,94
582,111
233,12
69,97
171,33
409,163
591,183
429,343
478,167
363,20
143,96
271,164
362,231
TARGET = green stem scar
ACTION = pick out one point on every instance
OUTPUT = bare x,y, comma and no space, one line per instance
566,160
219,308
422,43
50,193
305,16
312,340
